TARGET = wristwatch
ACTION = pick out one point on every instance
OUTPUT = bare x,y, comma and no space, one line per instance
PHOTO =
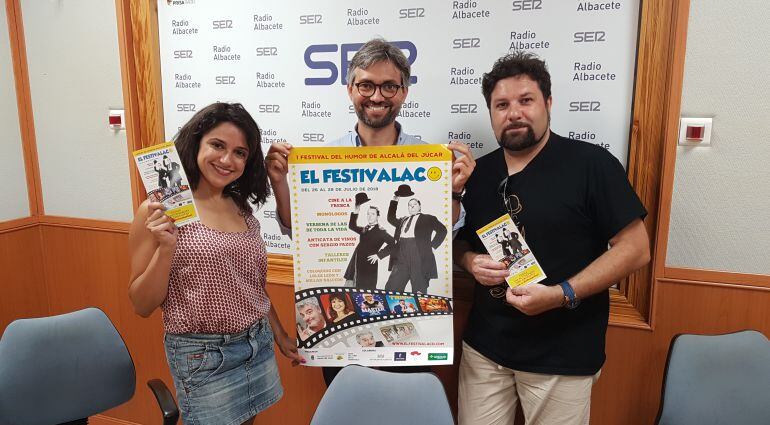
571,301
459,195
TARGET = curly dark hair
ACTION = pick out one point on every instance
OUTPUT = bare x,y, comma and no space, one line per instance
513,65
252,186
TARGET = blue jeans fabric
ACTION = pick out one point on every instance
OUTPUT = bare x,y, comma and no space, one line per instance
224,379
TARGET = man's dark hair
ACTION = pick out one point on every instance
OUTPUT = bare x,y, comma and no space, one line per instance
513,65
252,186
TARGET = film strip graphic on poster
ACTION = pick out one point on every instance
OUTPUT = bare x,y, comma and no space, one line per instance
287,63
324,312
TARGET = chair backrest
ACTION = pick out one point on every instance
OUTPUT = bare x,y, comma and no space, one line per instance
359,395
62,368
717,379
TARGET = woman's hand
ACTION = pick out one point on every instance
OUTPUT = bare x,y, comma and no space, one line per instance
161,226
277,162
288,347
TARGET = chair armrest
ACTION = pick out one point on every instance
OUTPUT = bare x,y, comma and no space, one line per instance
165,401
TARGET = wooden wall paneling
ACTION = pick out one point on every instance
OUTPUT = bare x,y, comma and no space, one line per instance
656,30
24,102
17,224
23,291
717,276
87,267
144,338
84,223
673,99
303,386
128,80
145,66
141,78
628,391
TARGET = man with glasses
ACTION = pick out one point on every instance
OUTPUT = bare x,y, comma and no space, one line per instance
543,343
378,83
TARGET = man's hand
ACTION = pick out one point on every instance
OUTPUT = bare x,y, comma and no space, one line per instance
277,162
484,269
462,166
373,258
535,298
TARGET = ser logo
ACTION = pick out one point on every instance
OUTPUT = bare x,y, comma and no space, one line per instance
466,43
185,107
267,51
346,52
270,109
412,12
589,36
463,108
527,5
312,137
222,24
310,19
269,213
183,54
585,106
225,79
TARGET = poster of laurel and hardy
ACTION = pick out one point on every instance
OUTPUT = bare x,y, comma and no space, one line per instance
372,218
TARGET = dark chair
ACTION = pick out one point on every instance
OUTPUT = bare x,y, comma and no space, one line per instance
63,369
359,395
717,379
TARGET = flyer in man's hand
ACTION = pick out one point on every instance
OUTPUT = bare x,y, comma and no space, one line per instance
166,182
505,243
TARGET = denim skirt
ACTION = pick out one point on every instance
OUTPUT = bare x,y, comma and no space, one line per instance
224,379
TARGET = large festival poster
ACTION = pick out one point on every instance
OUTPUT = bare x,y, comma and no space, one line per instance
372,231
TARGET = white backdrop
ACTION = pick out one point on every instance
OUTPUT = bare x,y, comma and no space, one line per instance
285,61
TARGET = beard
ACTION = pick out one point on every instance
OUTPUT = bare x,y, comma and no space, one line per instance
520,141
386,120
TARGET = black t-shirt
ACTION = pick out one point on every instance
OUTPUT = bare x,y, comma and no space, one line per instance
575,197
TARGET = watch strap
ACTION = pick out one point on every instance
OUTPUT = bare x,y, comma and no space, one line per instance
571,300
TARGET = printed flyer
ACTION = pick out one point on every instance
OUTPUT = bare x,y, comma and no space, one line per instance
372,231
505,243
166,182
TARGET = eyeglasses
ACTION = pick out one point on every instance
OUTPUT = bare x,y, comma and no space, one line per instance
512,204
387,90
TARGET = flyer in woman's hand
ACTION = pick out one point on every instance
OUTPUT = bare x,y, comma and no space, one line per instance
166,182
505,243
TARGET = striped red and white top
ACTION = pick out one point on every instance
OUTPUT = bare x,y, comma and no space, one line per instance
217,280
